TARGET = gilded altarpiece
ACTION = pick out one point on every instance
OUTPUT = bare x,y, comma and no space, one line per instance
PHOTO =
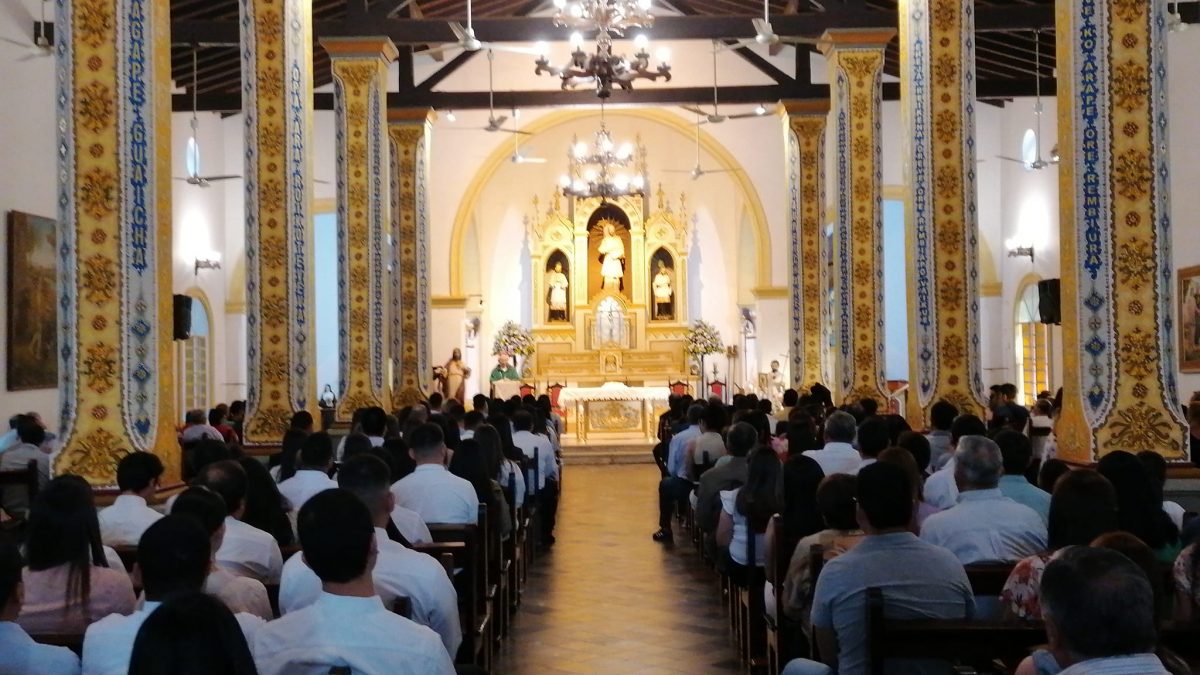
1119,361
113,116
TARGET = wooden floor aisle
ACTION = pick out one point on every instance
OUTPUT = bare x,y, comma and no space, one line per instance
607,599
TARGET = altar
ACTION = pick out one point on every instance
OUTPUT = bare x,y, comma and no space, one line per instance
614,412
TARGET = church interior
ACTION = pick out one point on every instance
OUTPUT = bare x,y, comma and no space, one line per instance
336,206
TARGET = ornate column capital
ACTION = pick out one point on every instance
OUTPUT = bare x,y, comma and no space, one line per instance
360,48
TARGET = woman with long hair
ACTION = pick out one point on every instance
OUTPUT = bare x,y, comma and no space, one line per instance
1139,506
70,579
266,508
746,511
285,467
191,634
506,472
473,465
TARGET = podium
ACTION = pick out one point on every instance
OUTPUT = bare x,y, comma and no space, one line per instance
506,389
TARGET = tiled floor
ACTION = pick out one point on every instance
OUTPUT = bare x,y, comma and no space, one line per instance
607,599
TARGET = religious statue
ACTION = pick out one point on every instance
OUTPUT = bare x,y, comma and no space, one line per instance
328,400
557,282
664,293
454,377
776,384
504,369
612,259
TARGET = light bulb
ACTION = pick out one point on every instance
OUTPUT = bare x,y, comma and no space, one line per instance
760,109
664,55
639,182
559,4
579,186
625,151
564,181
516,113
644,5
580,150
542,48
576,40
606,143
450,117
576,11
641,41
590,175
621,181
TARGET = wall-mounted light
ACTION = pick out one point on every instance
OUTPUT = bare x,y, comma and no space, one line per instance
211,261
1019,249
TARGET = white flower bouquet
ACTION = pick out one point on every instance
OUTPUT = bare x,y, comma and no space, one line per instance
703,339
513,339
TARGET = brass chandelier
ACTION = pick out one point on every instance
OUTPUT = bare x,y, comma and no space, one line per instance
605,170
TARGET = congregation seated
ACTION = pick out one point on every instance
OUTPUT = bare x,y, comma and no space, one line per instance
677,484
918,579
246,550
312,471
399,572
1139,504
507,464
197,428
174,556
239,593
705,450
472,465
941,490
283,463
370,422
745,512
984,526
71,579
348,624
531,434
266,509
1017,454
123,523
191,634
839,454
941,446
835,502
31,447
434,493
1156,469
19,653
725,476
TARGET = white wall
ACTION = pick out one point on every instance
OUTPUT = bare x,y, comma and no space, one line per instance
1183,101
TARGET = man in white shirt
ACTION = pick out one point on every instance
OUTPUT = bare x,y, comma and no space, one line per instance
198,428
985,526
348,625
399,571
470,423
677,485
838,455
123,523
173,556
32,437
312,472
19,653
246,550
541,447
941,491
373,423
239,594
437,495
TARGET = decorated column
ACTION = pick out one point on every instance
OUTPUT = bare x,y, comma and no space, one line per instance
114,228
360,106
855,69
410,132
277,106
1119,389
937,63
805,131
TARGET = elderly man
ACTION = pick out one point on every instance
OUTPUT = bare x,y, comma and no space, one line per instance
984,525
838,455
940,490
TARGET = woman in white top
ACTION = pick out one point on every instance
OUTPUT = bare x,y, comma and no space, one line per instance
748,509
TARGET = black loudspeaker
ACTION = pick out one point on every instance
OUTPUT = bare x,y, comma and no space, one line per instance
1049,301
183,317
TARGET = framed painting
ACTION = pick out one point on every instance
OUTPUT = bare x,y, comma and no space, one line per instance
32,308
1188,290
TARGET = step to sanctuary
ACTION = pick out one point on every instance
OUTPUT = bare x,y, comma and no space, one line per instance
607,453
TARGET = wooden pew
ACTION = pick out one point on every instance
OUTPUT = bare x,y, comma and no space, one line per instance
128,556
13,531
988,578
782,632
475,610
72,641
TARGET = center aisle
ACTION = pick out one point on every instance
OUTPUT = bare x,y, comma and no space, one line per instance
607,599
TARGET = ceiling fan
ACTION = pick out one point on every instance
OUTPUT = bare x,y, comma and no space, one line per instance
715,117
495,123
1031,144
43,39
517,157
697,172
764,34
464,39
192,158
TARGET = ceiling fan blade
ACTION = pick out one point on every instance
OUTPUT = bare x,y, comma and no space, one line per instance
527,51
694,110
678,170
744,116
724,47
515,131
460,33
797,40
35,55
1012,159
521,159
19,43
762,27
708,171
213,179
318,181
498,122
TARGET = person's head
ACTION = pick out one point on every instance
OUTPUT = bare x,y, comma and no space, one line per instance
138,473
206,508
174,555
978,464
316,453
30,431
1015,449
216,417
1082,507
302,421
228,479
904,459
502,359
802,476
1051,471
835,501
427,444
204,452
608,228
337,537
1008,392
237,411
1043,407
492,447
758,499
63,530
840,427
472,420
456,354
1097,603
400,460
480,402
885,498
435,401
191,633
741,439
471,464
1139,505
713,420
195,417
918,446
966,425
790,398
1156,470
374,421
368,478
870,407
872,437
764,406
1141,555
695,413
356,444
12,590
942,414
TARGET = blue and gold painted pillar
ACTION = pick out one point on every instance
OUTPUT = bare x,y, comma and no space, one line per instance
114,227
855,71
410,131
360,68
937,63
277,105
1119,388
805,135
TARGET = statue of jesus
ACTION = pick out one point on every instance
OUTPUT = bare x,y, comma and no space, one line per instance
612,259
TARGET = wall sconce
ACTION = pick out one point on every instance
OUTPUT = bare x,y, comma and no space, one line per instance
1016,250
212,261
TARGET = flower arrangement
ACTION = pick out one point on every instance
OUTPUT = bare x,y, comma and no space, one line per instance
703,339
513,339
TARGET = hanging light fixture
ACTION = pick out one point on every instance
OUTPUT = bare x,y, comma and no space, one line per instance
603,68
605,169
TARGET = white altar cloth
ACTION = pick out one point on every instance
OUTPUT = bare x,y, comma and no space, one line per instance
614,391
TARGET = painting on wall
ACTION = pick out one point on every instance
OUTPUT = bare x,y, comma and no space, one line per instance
32,313
1189,319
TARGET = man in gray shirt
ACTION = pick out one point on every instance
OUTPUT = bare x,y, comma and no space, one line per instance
918,580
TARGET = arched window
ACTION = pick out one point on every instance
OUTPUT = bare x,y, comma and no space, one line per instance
1032,347
194,360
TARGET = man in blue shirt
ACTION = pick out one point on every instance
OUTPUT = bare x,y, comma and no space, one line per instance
1017,452
676,486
